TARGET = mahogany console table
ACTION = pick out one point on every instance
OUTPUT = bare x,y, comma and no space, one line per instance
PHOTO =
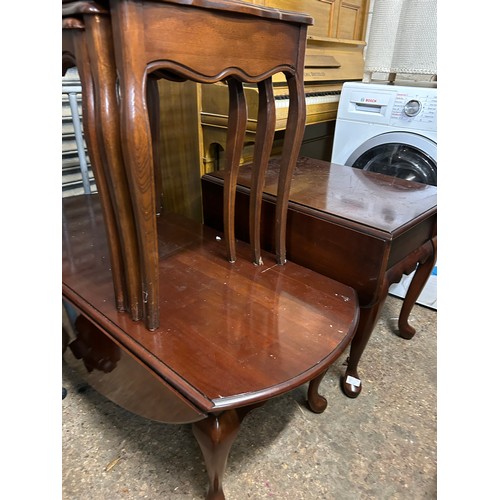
360,228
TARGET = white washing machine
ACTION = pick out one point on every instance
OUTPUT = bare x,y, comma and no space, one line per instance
392,130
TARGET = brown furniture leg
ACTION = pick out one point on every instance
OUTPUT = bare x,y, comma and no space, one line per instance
104,74
236,135
293,139
317,403
417,284
350,382
215,436
137,147
76,53
262,151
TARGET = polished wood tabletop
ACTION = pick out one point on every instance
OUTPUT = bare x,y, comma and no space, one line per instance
361,228
374,202
339,215
234,333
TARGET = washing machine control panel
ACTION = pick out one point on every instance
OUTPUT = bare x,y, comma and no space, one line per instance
415,108
392,106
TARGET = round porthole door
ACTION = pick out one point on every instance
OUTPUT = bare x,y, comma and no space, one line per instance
398,154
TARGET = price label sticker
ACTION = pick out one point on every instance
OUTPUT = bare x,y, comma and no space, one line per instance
353,381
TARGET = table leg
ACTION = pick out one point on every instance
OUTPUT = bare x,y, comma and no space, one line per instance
424,269
137,146
317,402
350,382
75,42
266,124
294,134
104,74
237,120
215,436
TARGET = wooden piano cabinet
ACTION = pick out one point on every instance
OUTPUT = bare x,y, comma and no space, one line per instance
360,228
339,19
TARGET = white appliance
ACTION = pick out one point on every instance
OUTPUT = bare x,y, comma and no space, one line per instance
390,129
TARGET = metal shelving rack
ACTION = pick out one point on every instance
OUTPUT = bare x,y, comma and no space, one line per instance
77,175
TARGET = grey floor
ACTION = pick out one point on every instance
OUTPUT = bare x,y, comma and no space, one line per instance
381,445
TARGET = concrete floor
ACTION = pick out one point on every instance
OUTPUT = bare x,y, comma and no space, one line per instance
381,445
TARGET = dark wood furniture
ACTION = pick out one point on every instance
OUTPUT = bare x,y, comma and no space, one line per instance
205,41
360,228
202,28
234,335
87,44
237,328
198,112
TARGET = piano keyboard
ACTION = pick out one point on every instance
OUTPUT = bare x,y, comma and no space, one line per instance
283,101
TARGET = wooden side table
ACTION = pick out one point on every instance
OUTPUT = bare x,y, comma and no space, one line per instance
360,228
207,41
87,44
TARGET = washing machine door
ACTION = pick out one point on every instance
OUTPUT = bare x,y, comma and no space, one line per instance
399,154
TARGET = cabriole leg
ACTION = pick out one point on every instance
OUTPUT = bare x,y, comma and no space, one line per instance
350,382
317,402
215,436
417,284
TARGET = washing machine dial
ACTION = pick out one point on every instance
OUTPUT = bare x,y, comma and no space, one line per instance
412,108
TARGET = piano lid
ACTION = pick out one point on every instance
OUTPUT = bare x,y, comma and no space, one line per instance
335,61
321,61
